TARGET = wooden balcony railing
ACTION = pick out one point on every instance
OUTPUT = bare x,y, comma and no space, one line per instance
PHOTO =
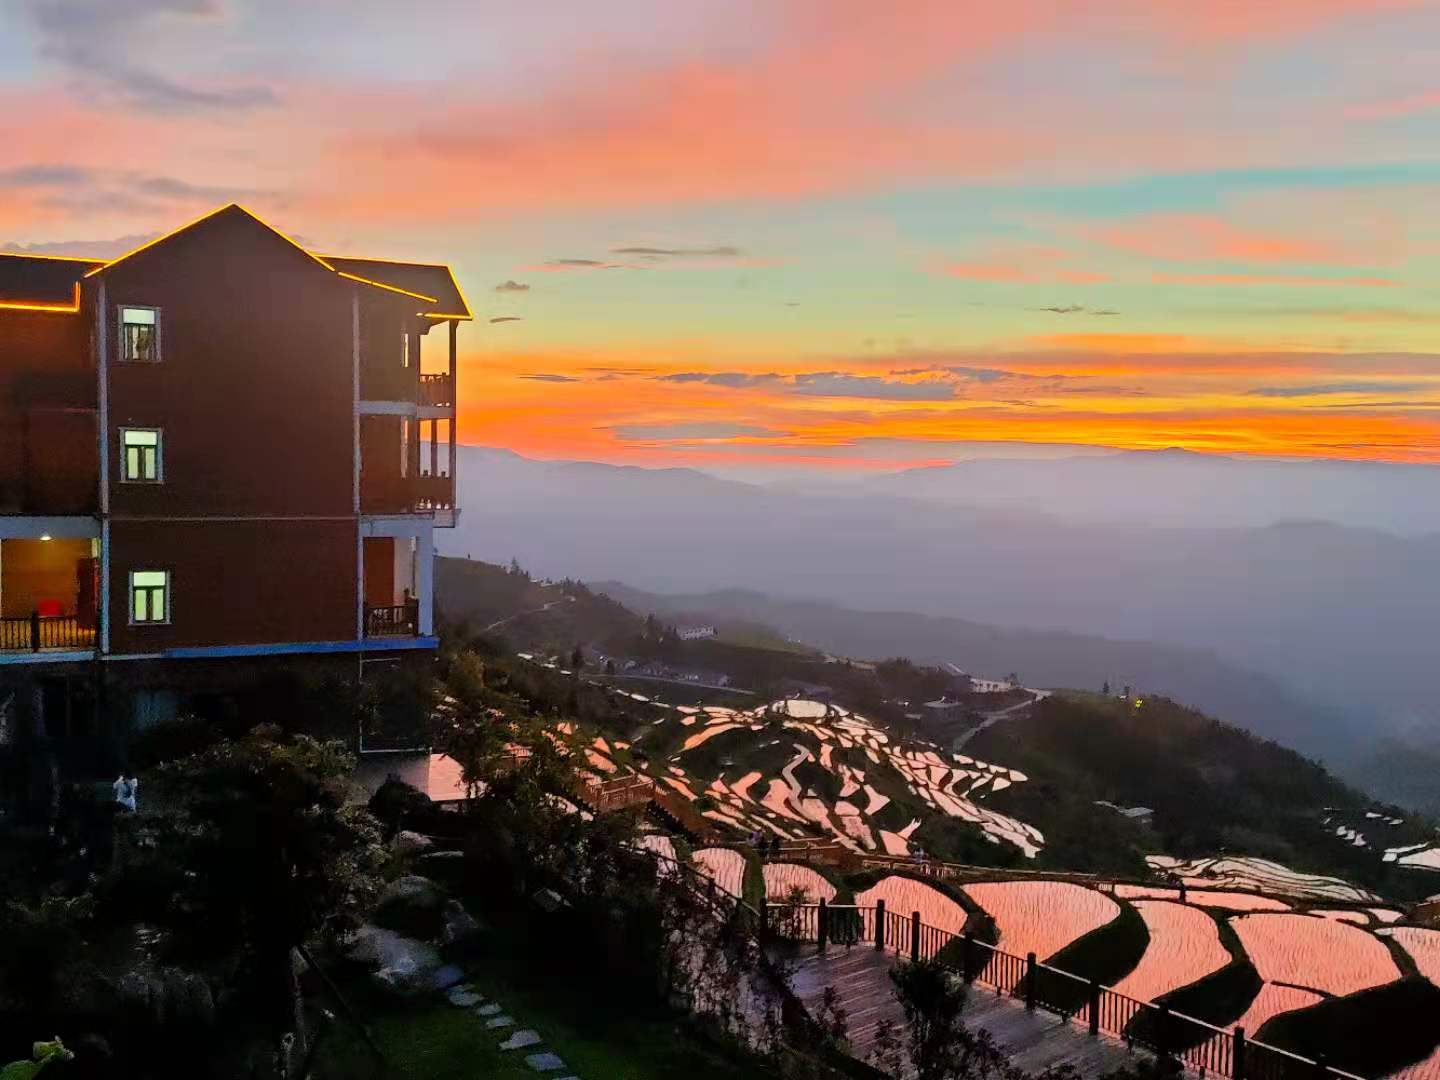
34,632
393,620
437,391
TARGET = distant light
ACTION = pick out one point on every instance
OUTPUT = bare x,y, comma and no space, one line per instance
45,537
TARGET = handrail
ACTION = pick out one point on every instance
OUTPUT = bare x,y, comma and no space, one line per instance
1226,1053
34,632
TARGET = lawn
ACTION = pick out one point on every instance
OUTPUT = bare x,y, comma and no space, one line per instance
599,1034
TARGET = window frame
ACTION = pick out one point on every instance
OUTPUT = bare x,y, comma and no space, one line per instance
125,478
120,310
130,598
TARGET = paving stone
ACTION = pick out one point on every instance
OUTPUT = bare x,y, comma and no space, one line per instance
521,1039
463,997
448,976
500,1022
545,1062
489,1010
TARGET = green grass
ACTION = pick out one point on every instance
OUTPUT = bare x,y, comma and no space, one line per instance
599,1029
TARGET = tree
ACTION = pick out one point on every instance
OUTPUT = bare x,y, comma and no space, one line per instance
269,856
1105,689
577,659
610,667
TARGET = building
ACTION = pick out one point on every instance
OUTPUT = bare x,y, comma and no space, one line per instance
695,633
220,456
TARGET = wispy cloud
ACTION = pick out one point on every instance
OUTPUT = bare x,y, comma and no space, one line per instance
692,431
508,318
547,376
511,285
723,251
1320,389
97,43
1273,279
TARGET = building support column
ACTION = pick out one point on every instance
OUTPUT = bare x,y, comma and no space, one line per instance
425,578
454,412
359,537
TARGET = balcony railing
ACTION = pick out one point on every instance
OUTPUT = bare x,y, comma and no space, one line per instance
35,632
434,492
394,620
437,391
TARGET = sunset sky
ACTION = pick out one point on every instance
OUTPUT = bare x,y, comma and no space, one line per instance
789,234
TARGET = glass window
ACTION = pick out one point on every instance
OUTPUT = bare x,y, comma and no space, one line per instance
141,460
140,334
405,348
149,596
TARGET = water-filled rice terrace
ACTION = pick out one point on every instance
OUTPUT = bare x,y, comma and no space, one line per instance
794,769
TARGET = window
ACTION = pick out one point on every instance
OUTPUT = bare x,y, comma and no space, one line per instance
141,460
140,334
405,347
149,597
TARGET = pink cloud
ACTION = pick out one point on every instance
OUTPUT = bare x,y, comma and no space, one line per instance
1270,279
1012,273
1395,107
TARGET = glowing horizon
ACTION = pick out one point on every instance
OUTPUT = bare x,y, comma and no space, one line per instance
808,236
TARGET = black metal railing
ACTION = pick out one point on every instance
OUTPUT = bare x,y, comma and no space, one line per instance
34,632
392,620
1199,1046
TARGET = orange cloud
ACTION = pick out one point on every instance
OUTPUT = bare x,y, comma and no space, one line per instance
1188,237
1393,107
1270,279
1013,274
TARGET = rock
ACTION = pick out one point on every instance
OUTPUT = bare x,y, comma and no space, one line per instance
412,843
412,906
401,964
496,1022
488,1010
548,900
521,1039
545,1062
462,997
457,923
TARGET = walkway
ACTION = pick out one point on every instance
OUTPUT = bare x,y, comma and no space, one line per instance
1033,1040
523,1042
995,717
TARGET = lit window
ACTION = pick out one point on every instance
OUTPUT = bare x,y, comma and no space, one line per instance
149,596
140,334
405,348
141,461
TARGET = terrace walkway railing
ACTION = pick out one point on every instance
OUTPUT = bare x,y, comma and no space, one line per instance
1200,1047
35,632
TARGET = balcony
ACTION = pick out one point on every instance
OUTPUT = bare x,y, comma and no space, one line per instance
437,391
392,620
38,633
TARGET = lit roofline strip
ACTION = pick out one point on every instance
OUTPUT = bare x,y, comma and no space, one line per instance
440,318
204,217
53,258
29,305
389,288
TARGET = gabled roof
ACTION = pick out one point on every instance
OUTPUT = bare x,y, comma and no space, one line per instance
42,282
425,279
51,283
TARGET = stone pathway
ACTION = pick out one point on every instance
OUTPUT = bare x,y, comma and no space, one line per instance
512,1039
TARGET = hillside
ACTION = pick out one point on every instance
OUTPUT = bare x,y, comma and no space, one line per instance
1333,617
1042,785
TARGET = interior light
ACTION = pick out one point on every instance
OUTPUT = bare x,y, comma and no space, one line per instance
45,537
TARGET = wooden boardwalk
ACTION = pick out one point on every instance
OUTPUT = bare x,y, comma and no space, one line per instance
1033,1040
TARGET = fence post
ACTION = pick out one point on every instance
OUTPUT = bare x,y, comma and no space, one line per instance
879,925
34,630
1322,1067
764,917
914,937
822,934
1165,1032
1094,1007
1030,980
967,968
1237,1055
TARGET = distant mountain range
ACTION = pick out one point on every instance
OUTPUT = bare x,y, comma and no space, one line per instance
1183,488
1321,635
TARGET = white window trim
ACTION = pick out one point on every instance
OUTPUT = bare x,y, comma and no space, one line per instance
130,599
120,310
159,457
